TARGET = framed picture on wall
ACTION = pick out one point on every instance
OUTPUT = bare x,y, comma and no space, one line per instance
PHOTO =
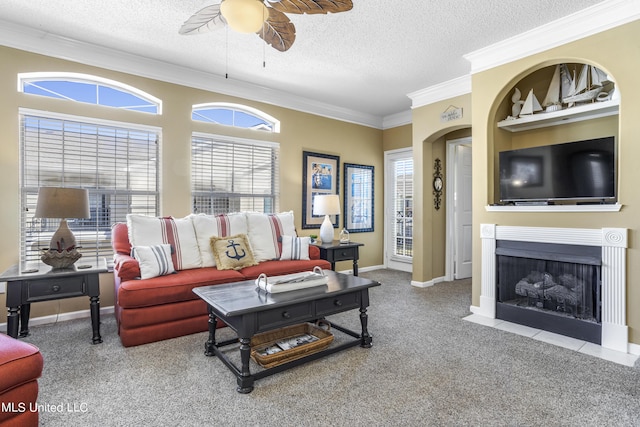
320,175
358,198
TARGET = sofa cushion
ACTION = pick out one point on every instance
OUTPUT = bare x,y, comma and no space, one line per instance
178,232
154,260
232,252
208,226
173,287
265,232
295,248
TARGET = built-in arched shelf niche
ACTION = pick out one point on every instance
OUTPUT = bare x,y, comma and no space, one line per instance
543,91
580,121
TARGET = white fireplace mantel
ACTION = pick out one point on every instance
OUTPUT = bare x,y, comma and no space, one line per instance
613,241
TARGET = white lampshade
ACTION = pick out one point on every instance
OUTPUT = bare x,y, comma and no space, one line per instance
244,16
326,205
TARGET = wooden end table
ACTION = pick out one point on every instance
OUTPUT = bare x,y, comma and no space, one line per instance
336,251
35,282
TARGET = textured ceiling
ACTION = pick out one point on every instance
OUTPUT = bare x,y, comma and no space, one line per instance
365,60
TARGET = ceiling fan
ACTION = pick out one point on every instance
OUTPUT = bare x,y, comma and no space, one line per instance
266,18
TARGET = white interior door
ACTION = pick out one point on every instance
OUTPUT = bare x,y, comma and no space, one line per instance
463,212
399,209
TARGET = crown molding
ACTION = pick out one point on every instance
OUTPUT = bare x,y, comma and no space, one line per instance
440,92
398,119
40,42
592,20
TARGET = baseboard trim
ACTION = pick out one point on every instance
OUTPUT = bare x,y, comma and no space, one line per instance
62,317
428,283
363,269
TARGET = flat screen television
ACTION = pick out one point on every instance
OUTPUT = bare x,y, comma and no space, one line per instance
580,171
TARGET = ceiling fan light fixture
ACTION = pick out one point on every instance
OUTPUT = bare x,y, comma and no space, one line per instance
244,16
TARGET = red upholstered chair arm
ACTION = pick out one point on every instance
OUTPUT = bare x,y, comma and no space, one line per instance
314,252
120,238
126,267
20,363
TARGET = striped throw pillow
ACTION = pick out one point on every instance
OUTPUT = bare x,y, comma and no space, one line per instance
295,248
264,232
178,232
154,260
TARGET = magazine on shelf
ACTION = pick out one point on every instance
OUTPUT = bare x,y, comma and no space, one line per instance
287,344
292,282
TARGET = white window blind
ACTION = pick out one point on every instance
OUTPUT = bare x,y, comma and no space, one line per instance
403,207
229,175
116,164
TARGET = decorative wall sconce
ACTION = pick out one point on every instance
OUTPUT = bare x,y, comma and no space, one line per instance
437,184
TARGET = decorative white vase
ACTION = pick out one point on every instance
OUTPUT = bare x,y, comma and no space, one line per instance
326,230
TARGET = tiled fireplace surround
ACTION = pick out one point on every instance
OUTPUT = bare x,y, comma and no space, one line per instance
613,242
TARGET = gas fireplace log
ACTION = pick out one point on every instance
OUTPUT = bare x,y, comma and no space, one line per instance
534,284
562,295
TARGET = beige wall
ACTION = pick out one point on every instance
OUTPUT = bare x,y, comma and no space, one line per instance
615,51
299,132
429,136
397,138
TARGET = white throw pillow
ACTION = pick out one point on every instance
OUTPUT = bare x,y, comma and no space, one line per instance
295,248
208,226
265,231
178,232
154,260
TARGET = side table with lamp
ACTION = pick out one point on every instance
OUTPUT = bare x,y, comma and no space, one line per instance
55,276
332,250
336,251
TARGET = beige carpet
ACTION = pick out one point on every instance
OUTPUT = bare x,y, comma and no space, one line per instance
426,367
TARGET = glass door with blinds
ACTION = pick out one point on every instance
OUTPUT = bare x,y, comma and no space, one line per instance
117,164
399,209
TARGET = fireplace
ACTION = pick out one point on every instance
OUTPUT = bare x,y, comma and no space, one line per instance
551,287
603,256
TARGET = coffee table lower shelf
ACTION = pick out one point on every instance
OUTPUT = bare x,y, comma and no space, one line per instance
247,379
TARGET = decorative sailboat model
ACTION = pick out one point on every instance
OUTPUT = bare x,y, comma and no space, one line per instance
588,86
560,85
531,105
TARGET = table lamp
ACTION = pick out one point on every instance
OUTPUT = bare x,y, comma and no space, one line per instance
327,204
63,203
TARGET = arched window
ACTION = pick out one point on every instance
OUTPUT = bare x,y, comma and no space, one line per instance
236,115
88,89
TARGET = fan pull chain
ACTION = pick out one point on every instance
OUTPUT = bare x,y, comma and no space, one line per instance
264,49
226,61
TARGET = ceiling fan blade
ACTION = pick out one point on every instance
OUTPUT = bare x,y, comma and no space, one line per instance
278,31
205,20
312,6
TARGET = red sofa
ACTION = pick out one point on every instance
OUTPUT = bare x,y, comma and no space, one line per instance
20,367
159,308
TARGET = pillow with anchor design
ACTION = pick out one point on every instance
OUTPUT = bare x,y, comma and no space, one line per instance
232,252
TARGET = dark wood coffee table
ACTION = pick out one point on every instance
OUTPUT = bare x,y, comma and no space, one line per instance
248,310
